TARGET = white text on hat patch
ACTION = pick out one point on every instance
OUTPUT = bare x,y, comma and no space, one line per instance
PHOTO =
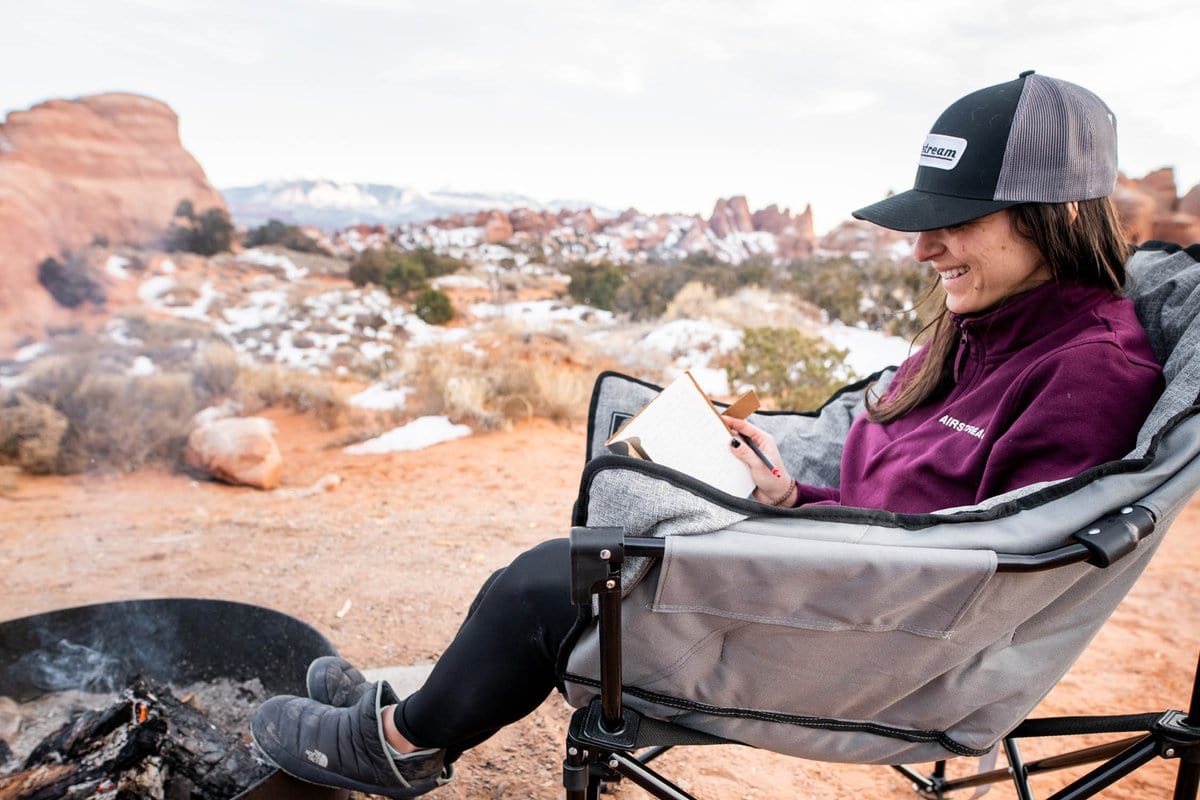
942,152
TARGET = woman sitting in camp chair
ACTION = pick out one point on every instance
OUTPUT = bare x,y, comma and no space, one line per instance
1035,370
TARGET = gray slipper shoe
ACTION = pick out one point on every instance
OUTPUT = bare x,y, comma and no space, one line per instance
344,747
333,681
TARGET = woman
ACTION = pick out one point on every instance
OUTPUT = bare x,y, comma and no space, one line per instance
1035,370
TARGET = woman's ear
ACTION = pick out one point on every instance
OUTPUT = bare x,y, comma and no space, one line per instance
1072,212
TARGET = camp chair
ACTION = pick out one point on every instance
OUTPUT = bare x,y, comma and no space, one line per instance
862,636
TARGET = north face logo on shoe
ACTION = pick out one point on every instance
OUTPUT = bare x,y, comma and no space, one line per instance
317,757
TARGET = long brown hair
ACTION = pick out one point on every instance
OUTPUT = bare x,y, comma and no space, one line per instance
1089,249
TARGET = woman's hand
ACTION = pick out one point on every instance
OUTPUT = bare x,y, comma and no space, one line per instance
772,488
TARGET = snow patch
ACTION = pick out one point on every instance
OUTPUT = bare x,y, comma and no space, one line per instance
265,258
868,351
141,367
416,435
380,397
115,266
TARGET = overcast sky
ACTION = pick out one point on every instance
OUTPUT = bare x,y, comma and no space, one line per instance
661,105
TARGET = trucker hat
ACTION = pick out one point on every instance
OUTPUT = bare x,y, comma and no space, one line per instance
1032,140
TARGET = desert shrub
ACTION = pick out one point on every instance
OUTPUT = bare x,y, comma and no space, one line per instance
517,378
70,281
125,422
402,276
400,271
788,368
157,332
31,433
53,379
257,388
206,234
436,265
882,294
562,393
215,371
289,236
80,410
366,268
594,284
433,306
649,288
646,293
693,301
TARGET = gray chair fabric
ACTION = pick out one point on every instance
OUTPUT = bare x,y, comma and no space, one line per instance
843,634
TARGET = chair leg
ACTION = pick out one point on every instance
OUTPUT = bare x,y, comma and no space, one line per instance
1016,765
576,774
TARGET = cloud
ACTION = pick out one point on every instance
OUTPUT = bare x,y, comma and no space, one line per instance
833,103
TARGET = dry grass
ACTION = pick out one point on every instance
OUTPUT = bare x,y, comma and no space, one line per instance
260,387
215,370
511,376
747,307
81,409
75,413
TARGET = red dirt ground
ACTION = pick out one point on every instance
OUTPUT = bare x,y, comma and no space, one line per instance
406,539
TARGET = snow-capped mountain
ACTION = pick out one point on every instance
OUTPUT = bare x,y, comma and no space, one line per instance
331,204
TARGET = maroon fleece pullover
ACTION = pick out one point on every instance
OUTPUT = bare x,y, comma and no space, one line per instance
1056,381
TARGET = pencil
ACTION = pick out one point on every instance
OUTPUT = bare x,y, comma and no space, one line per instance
761,456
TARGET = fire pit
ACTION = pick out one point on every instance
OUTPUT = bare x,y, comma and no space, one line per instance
102,648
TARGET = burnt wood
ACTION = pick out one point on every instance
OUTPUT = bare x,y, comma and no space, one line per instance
147,742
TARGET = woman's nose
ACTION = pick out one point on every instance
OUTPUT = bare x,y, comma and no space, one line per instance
928,245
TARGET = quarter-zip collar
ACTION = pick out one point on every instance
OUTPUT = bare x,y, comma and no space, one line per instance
1020,321
1029,316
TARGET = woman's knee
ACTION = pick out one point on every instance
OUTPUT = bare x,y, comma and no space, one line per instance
540,576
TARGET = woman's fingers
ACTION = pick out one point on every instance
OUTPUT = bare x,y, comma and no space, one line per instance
771,478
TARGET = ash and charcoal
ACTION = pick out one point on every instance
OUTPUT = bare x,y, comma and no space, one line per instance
150,741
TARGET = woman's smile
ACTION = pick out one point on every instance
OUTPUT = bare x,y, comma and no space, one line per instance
982,262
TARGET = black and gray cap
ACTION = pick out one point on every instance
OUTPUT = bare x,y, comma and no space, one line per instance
1032,140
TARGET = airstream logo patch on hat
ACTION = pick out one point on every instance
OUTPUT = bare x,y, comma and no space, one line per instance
942,152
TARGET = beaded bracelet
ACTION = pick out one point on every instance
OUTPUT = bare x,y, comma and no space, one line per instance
787,496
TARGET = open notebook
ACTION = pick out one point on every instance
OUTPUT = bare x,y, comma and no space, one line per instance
681,429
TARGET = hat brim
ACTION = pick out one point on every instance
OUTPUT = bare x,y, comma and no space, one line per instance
916,210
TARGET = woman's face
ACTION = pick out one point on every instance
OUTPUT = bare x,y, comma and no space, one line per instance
982,262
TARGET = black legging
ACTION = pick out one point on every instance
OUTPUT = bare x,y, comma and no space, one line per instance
501,664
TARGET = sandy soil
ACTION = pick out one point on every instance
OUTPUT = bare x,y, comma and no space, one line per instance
405,540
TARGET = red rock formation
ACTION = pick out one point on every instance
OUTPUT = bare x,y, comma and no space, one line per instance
794,236
109,166
1149,209
526,220
451,222
584,222
1182,229
771,219
1160,185
497,229
729,216
1136,210
1190,202
694,241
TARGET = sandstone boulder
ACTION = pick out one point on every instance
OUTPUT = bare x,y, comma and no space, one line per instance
237,450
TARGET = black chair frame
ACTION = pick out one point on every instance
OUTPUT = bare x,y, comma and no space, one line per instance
607,741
